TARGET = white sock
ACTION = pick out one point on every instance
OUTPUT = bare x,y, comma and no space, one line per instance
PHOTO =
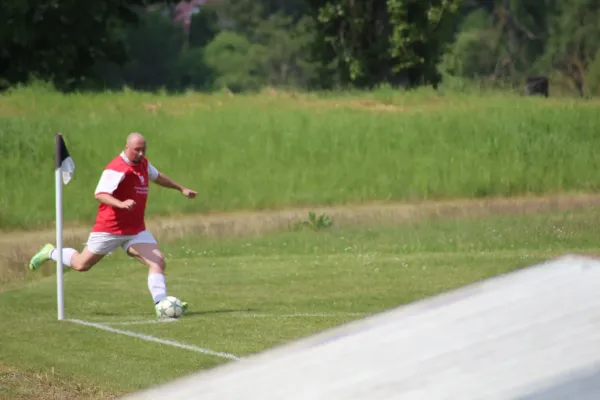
157,286
66,255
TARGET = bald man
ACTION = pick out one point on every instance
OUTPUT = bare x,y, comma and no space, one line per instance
122,193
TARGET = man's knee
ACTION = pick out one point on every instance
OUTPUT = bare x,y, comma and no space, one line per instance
149,254
85,261
83,266
158,263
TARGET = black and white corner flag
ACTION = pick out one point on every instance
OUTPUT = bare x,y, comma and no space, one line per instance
64,162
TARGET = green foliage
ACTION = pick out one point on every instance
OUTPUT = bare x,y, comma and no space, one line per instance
298,43
242,16
193,71
161,56
279,149
62,40
394,41
593,76
275,52
156,58
153,48
574,39
204,26
355,41
508,41
475,51
235,61
420,32
315,223
283,60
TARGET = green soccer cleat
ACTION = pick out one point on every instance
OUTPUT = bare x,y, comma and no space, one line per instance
184,305
41,257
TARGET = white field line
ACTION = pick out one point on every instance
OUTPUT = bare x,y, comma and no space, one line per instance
155,339
301,315
140,322
246,315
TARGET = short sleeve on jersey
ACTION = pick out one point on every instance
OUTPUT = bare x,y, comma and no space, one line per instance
152,172
109,181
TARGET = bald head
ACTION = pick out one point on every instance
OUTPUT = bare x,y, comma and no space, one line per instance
134,136
135,147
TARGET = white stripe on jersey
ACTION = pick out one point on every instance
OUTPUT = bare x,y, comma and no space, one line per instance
152,172
109,181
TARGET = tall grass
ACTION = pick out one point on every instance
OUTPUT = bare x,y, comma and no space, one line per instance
282,149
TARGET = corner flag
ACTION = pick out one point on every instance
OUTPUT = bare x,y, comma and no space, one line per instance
64,162
63,174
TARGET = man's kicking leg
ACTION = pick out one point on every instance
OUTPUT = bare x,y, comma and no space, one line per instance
70,257
150,255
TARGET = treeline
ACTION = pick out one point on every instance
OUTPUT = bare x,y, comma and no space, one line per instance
249,44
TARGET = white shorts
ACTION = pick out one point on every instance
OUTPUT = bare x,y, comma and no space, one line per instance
104,243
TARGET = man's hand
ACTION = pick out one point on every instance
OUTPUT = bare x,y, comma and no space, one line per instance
109,200
190,194
127,204
167,182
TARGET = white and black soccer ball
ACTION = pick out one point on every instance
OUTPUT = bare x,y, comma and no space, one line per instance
169,307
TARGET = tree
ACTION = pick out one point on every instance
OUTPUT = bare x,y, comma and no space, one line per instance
204,26
475,52
233,57
153,48
420,32
501,39
366,43
574,40
269,38
60,40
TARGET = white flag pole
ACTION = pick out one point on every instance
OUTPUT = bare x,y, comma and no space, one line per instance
59,230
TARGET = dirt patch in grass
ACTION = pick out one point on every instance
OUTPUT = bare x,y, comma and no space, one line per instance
20,385
16,248
255,223
391,104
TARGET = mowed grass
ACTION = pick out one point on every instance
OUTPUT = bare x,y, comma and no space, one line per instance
274,150
246,294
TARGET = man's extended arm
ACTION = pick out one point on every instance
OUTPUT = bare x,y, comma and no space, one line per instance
167,182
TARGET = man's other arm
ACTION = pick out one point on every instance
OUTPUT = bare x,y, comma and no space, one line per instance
164,181
109,181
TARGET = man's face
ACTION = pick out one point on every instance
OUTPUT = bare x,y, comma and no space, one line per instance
135,150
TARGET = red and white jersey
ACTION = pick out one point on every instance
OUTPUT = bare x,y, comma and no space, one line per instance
124,180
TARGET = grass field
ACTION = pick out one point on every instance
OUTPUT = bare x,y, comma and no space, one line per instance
251,287
275,150
250,293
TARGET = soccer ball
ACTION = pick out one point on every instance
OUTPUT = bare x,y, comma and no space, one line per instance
169,307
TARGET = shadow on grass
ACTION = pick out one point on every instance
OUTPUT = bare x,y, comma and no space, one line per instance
226,311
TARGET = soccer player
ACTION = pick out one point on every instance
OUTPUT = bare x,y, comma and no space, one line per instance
122,192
